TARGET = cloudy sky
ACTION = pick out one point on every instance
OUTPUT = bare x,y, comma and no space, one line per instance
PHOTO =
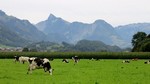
115,12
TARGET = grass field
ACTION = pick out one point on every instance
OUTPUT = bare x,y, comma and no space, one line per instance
85,72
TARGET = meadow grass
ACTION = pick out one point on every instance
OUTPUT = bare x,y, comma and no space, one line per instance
85,72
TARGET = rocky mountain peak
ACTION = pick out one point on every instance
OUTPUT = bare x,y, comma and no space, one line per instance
2,13
99,21
51,17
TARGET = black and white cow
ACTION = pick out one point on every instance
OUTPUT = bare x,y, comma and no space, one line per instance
31,59
21,59
39,63
16,58
147,62
65,60
75,59
126,61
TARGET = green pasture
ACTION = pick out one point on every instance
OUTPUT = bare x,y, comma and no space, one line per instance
85,72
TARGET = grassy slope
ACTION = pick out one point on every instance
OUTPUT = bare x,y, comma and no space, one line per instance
4,46
85,72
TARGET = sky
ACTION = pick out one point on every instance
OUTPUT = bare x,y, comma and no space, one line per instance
115,12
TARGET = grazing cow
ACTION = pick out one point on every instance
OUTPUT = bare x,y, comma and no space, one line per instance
134,59
65,60
31,59
39,63
76,59
23,59
147,62
96,59
92,59
126,61
16,58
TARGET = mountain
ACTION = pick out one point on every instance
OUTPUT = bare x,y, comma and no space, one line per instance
127,31
81,46
59,30
44,46
55,28
18,30
9,38
95,46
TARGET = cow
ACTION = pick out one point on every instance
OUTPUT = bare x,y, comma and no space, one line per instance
31,59
126,61
96,59
16,58
147,62
23,59
65,60
75,59
135,59
39,63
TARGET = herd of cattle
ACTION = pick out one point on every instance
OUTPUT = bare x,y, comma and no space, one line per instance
135,59
39,63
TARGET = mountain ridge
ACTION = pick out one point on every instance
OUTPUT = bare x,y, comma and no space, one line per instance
76,31
23,29
56,29
127,31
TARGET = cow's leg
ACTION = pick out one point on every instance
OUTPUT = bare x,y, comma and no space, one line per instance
45,69
50,71
30,69
15,60
23,62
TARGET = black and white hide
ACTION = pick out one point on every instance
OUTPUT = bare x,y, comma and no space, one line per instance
126,61
21,59
31,59
75,59
39,63
65,61
16,58
147,62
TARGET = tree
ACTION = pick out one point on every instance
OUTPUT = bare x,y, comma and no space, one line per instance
141,42
139,36
25,50
145,47
148,36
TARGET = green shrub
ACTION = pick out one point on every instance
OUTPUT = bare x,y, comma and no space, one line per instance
81,55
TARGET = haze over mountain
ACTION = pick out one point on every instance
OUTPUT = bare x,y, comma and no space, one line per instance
60,30
127,31
16,31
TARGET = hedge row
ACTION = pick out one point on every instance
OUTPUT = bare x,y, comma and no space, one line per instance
82,55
